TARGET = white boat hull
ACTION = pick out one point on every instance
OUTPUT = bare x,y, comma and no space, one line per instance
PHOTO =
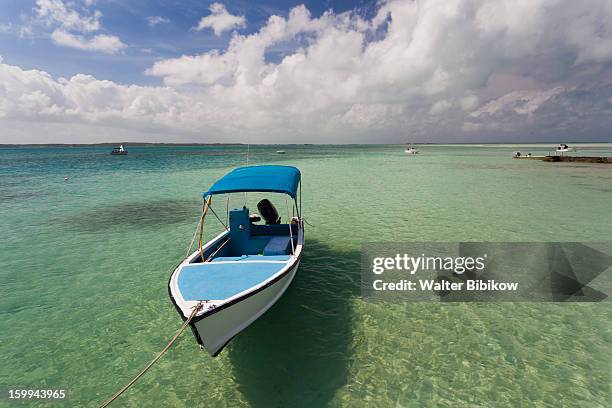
220,321
217,327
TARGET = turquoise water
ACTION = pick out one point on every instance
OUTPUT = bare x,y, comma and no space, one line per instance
85,264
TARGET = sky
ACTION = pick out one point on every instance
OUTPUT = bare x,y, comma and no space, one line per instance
387,71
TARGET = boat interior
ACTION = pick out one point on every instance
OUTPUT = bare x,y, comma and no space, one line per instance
248,254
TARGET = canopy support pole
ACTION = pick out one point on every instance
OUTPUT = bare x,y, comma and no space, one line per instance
227,208
204,211
290,229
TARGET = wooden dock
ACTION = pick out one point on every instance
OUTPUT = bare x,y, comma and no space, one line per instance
575,159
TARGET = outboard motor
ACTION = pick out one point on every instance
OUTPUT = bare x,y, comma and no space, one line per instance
268,212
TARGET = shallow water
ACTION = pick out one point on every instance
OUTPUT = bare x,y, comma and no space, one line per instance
85,264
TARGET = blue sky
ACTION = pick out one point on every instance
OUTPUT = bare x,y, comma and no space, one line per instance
128,20
305,72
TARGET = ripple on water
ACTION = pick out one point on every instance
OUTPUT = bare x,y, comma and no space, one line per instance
66,317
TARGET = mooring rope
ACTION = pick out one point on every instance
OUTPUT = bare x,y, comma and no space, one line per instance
196,309
304,219
200,219
195,234
212,210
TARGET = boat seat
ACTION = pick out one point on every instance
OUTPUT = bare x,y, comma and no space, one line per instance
277,246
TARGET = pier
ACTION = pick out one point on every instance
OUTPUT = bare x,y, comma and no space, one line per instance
577,159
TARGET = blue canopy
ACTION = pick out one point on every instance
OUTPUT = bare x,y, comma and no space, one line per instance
274,179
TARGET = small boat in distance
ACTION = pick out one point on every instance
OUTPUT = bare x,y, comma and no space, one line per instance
411,150
119,150
243,271
563,148
518,155
280,151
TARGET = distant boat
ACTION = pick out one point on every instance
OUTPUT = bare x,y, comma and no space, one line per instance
238,275
411,150
280,151
563,148
119,150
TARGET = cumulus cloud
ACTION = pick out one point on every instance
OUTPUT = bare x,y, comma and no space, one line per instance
435,69
152,21
220,20
101,42
440,107
55,12
33,96
521,102
74,29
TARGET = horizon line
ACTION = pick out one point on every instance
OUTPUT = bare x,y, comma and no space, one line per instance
142,144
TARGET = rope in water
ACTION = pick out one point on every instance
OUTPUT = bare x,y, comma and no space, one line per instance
196,309
304,219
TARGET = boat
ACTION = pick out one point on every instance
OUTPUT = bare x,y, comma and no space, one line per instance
280,152
411,150
119,150
238,275
518,155
563,148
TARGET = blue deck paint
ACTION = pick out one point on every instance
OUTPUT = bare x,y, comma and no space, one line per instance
218,280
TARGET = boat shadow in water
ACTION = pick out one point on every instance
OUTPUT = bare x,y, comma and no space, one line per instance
298,353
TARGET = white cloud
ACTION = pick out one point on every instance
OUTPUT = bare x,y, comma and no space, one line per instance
440,107
109,44
220,20
6,27
470,127
188,69
152,21
55,12
468,102
521,102
430,69
22,31
74,29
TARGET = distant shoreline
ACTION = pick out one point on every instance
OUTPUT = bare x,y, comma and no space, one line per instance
153,144
113,144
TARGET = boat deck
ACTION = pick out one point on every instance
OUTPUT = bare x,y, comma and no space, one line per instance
223,277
